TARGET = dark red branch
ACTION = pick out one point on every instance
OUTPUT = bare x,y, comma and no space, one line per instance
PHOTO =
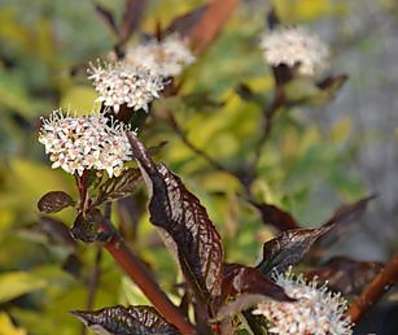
136,270
387,277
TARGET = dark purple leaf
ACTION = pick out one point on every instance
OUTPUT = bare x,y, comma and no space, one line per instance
273,20
119,320
289,248
107,17
276,217
54,201
73,266
130,210
57,231
348,213
333,83
342,218
186,224
86,225
184,24
132,15
240,279
119,187
346,275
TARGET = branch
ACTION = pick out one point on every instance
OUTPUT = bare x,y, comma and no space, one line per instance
268,118
387,277
137,271
181,134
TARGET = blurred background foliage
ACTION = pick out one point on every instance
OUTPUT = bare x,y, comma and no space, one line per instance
319,155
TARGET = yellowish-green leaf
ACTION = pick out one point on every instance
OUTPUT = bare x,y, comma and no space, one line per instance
25,176
7,328
306,10
15,284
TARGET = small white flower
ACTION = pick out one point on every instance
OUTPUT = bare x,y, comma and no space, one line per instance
168,57
317,311
295,46
119,83
82,143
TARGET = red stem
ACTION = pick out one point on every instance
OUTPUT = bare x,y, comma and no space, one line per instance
130,263
387,277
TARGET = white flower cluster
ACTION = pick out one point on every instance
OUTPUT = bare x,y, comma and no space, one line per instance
295,46
168,57
317,311
82,143
119,83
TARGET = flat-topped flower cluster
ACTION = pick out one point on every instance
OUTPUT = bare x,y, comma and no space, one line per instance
91,142
295,47
317,310
123,83
168,57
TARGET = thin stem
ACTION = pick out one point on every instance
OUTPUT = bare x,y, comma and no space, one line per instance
181,134
387,277
93,284
137,271
268,118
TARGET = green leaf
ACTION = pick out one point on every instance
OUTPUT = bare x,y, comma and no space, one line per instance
15,284
7,328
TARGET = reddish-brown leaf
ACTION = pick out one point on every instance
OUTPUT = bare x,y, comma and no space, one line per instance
346,275
186,224
119,187
212,22
341,218
240,279
54,201
276,217
108,18
289,248
347,213
119,320
57,231
184,24
133,12
333,83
